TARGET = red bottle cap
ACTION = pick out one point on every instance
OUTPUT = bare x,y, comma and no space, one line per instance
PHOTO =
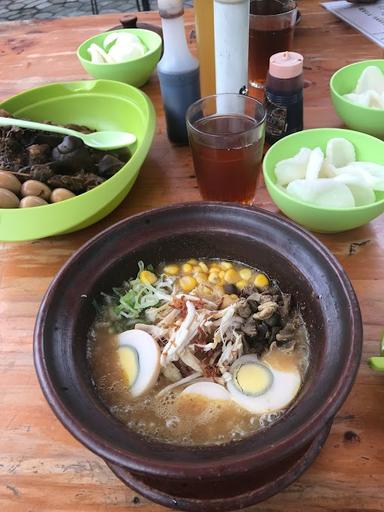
286,64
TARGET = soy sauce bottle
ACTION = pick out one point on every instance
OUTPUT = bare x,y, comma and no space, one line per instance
178,71
284,95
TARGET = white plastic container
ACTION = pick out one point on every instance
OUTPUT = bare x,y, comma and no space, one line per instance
231,44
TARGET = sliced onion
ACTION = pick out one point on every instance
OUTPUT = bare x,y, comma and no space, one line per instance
372,78
122,38
292,168
371,173
340,152
314,165
322,192
363,194
98,55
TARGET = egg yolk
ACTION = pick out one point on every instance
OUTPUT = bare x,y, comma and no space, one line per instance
129,363
253,379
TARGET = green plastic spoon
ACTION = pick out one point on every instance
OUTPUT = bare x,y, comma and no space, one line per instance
98,140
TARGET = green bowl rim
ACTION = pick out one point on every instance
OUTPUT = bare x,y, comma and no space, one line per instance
268,179
341,97
88,42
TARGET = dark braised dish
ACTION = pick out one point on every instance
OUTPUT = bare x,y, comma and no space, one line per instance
50,167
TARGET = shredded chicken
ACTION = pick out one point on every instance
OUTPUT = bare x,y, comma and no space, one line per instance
154,330
231,351
202,339
181,337
190,360
171,372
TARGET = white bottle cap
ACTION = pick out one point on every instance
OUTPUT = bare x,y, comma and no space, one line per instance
170,8
286,65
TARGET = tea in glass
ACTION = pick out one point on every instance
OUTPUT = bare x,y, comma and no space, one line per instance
227,139
271,29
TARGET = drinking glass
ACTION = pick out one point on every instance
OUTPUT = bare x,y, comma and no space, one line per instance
271,29
226,134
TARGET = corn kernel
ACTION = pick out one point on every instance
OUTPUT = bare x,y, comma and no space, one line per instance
213,266
187,283
192,261
246,274
187,268
221,274
171,270
214,278
231,276
147,277
241,284
196,269
225,265
261,281
203,266
214,270
201,277
206,290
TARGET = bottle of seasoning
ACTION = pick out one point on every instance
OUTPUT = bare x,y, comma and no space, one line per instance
284,95
178,71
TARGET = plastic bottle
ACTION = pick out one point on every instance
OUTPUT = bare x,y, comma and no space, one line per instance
205,45
284,95
231,44
178,71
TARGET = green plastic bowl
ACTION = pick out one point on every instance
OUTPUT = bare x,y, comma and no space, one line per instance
134,72
99,104
317,218
356,117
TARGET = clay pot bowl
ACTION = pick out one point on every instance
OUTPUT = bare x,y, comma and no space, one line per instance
215,478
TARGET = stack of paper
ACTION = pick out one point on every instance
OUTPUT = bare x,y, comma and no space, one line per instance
367,18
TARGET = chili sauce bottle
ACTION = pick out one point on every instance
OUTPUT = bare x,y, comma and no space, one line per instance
284,95
178,71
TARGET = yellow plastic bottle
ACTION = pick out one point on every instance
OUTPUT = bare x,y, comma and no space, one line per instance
205,45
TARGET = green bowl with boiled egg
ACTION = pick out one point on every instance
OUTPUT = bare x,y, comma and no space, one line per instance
327,179
99,105
357,93
127,55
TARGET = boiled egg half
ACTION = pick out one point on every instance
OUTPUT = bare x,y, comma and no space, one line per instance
259,388
139,358
207,389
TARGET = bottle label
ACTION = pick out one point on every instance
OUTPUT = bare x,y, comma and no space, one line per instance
284,114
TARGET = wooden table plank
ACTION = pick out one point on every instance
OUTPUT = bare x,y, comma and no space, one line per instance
42,468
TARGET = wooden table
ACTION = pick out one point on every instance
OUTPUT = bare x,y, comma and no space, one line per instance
42,468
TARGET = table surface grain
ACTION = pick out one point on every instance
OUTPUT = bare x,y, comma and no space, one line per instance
42,467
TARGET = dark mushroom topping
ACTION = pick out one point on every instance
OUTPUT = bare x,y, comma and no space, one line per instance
71,155
39,153
109,165
57,161
77,184
231,289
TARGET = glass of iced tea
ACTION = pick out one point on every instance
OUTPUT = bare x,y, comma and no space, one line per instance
226,133
271,29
